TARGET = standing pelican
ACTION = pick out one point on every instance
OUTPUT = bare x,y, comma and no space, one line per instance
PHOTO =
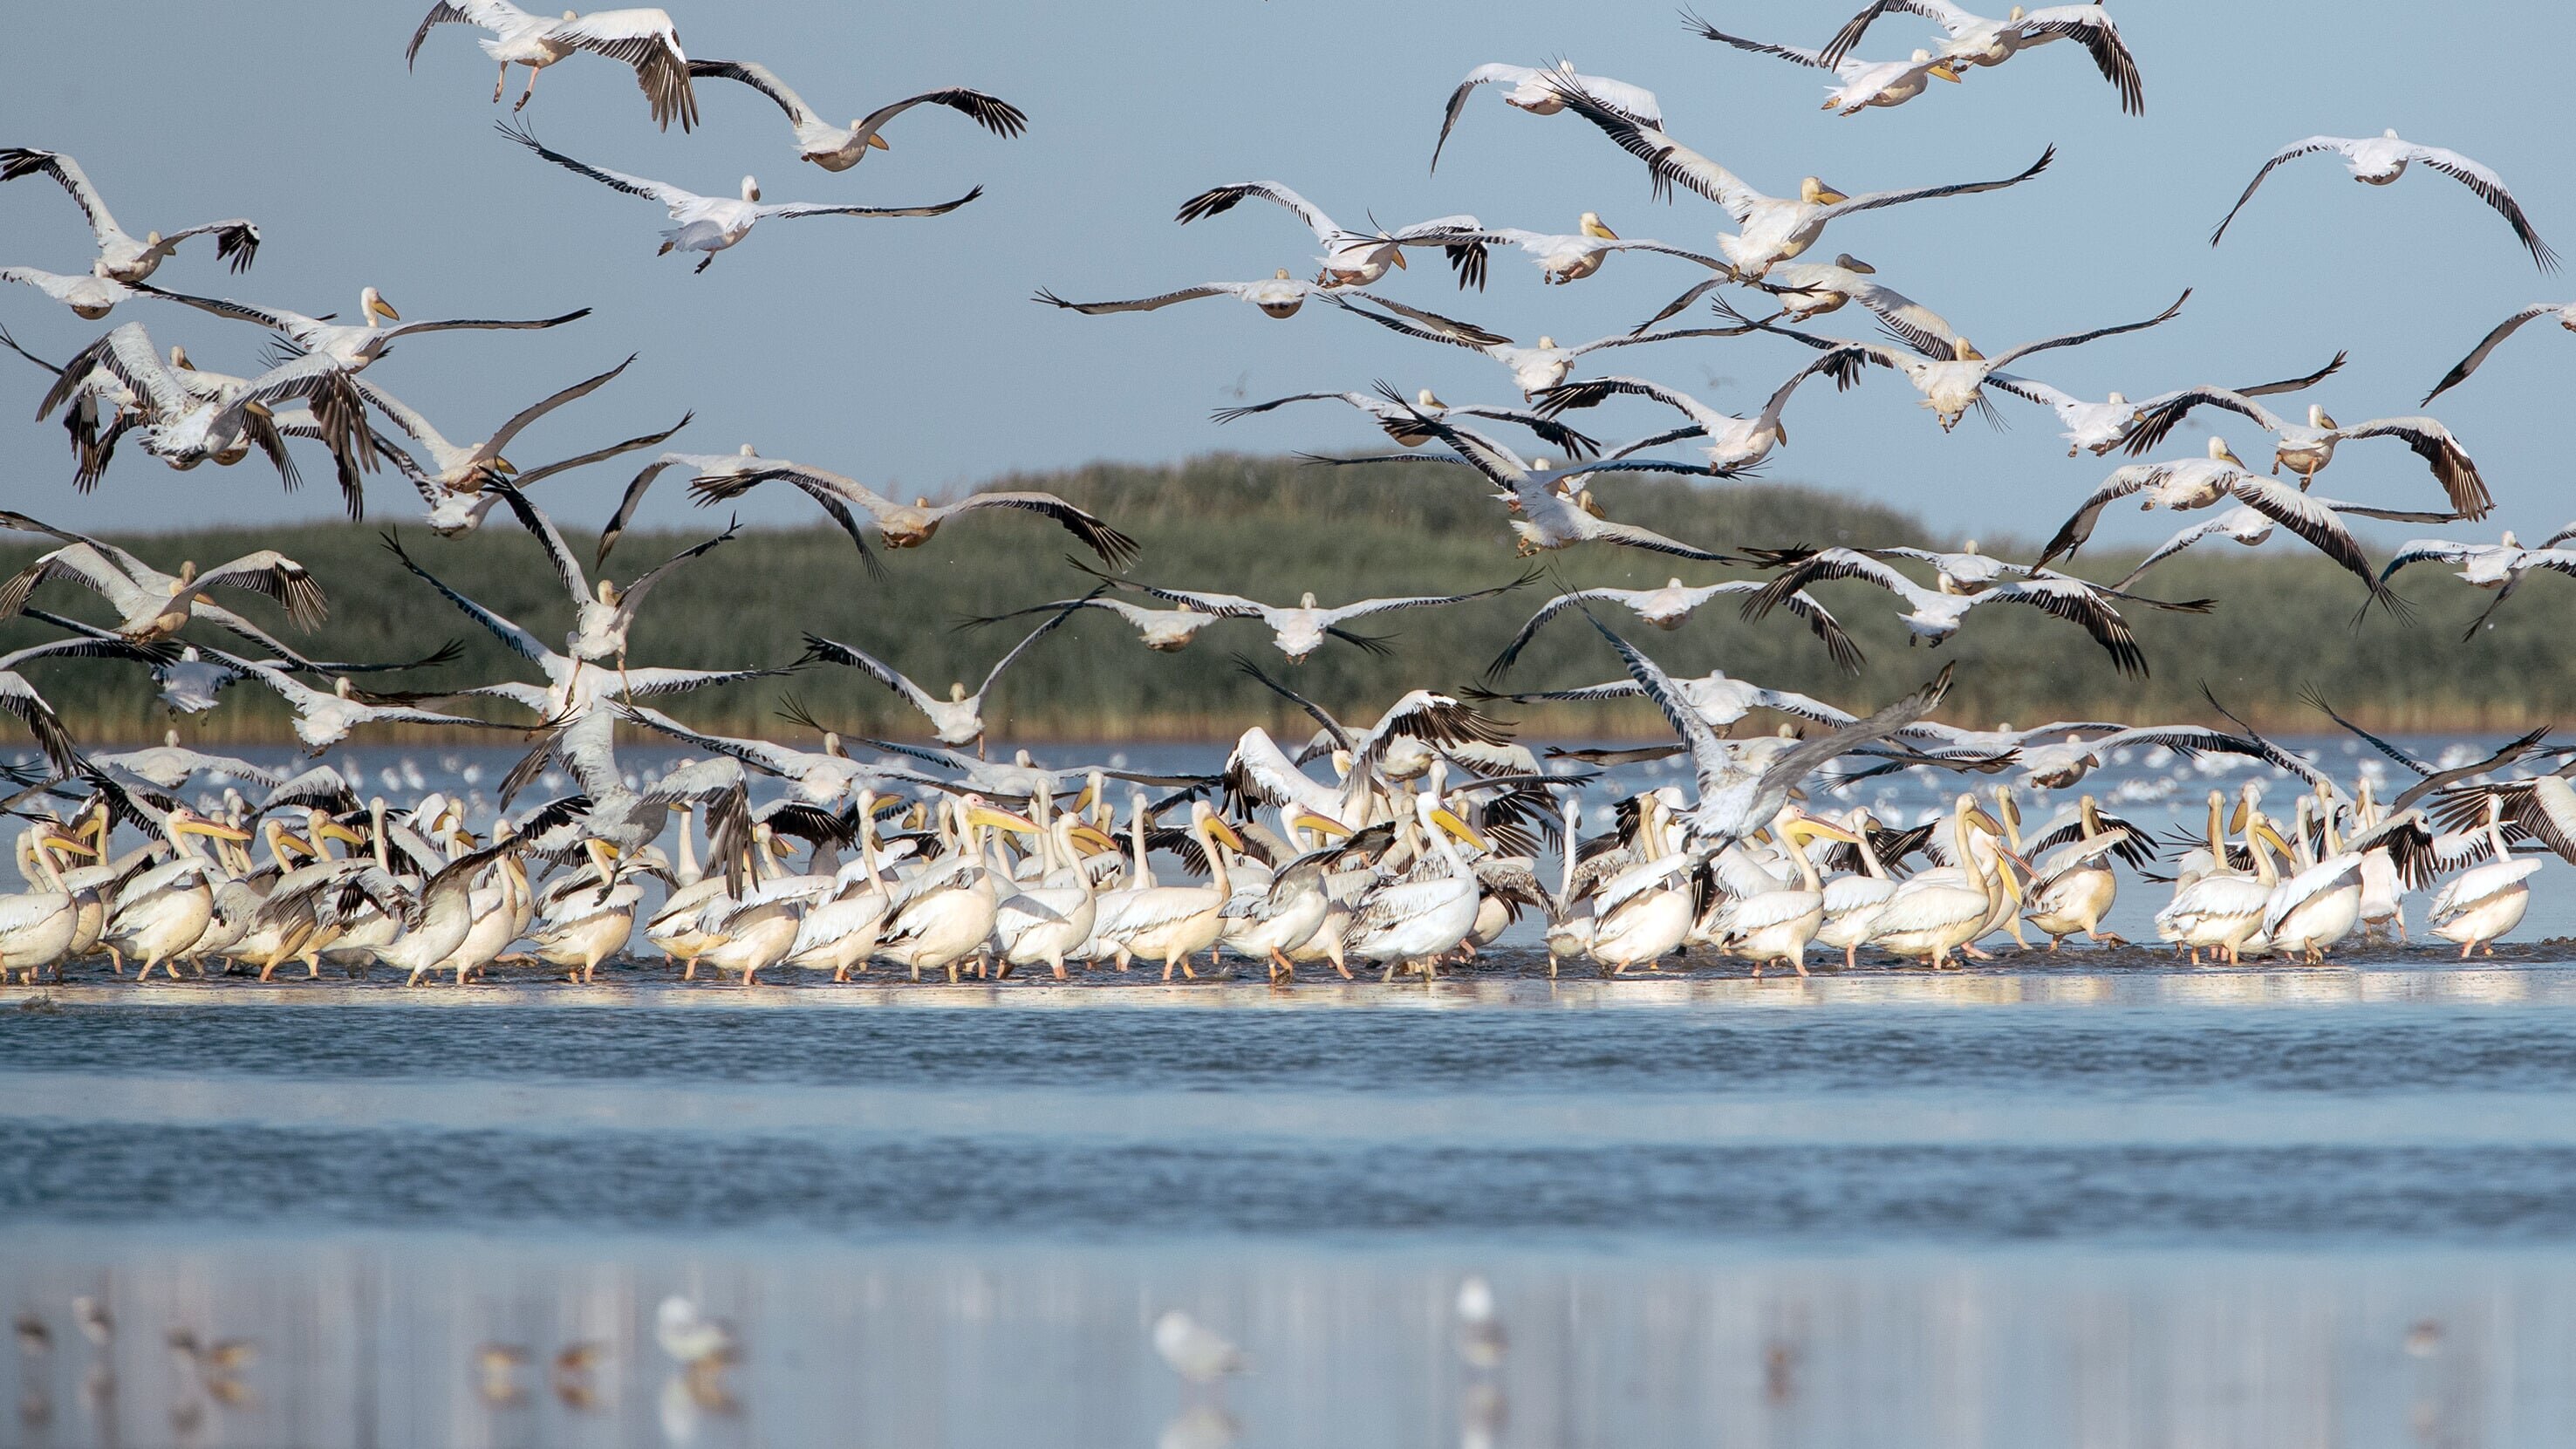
2484,902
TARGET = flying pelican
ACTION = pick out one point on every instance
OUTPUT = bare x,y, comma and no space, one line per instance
465,468
1671,606
1571,257
1550,509
1397,419
90,298
183,428
1165,631
1354,258
1934,614
2500,567
2199,482
1734,801
2306,449
904,525
710,224
1529,91
956,720
323,718
351,345
1953,378
1535,369
601,616
20,698
2565,312
152,605
120,257
2381,159
1280,296
2102,426
1860,84
838,148
1735,443
1770,229
1300,630
1719,699
644,39
1976,40
1811,289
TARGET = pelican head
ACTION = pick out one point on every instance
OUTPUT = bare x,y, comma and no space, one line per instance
1965,351
2319,418
1814,191
1970,547
956,692
875,141
1306,601
746,451
2510,541
1591,226
2219,452
1943,70
343,688
1547,344
187,575
1541,465
572,15
1428,402
1850,263
372,304
608,593
2017,12
751,188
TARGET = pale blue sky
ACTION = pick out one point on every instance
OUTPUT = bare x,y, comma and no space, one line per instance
907,353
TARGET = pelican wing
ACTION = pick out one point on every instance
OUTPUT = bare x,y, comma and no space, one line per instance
990,112
2235,523
2291,152
2460,370
829,651
2491,190
663,192
1549,610
456,324
679,681
760,78
1365,607
1831,563
293,324
1873,200
646,40
2175,406
79,563
597,455
1115,549
1949,17
1692,21
2441,452
1219,199
128,355
520,641
1668,160
633,598
236,240
485,14
2091,27
543,530
2429,550
279,577
816,208
1159,300
20,698
2080,603
2074,339
17,161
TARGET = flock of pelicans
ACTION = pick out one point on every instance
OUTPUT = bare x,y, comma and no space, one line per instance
1423,842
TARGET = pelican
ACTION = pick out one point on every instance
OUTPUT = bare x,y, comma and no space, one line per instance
1052,919
1671,606
1352,258
1859,84
438,921
1776,925
1718,699
2223,908
1563,258
20,698
1643,913
1852,902
824,777
152,605
1976,40
601,616
465,468
1736,444
904,525
2500,567
1169,923
323,718
351,346
2319,904
170,765
90,298
163,911
37,927
1397,419
2306,449
1551,509
2484,902
644,39
1528,90
1266,921
2200,482
838,148
122,259
839,932
2381,159
584,919
1936,912
710,224
956,720
183,428
1281,296
1534,369
1933,615
2564,312
1300,629
1770,229
1426,914
948,915
1954,377
2102,426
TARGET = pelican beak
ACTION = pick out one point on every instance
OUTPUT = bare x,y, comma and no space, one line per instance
1809,825
385,309
2273,838
1082,801
289,840
1465,833
1399,259
70,844
199,825
1320,824
1944,72
1091,839
334,830
2236,821
878,143
1225,833
1979,819
998,819
1780,434
258,410
505,467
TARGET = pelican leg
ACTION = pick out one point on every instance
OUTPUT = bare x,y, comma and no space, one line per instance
1973,954
953,973
2466,947
1851,957
116,960
1057,962
1800,961
2105,938
709,261
501,84
1286,969
530,91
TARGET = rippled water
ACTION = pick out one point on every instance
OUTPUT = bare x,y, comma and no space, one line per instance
2019,1207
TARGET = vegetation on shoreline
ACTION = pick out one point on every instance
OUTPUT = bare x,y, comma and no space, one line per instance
1272,528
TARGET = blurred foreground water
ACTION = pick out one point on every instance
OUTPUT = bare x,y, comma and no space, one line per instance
2146,1206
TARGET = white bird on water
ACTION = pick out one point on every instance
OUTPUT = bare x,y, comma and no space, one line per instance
1195,1351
